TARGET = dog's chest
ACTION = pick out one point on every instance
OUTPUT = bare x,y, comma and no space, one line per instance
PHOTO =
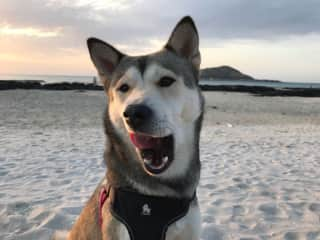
138,217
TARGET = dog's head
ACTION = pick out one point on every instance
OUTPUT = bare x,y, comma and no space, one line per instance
154,100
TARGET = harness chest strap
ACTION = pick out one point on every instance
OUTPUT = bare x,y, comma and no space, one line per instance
145,217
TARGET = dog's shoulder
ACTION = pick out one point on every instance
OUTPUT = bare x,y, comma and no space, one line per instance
87,225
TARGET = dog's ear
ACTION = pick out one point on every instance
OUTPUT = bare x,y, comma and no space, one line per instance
184,41
105,58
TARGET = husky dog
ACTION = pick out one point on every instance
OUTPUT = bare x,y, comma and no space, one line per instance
152,122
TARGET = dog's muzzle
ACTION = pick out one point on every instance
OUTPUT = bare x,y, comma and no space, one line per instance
156,151
137,116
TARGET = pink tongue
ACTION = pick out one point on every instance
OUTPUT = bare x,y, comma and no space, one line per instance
144,142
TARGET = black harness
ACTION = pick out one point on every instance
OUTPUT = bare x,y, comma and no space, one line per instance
147,217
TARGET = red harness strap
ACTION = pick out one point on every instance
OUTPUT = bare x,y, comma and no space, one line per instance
104,194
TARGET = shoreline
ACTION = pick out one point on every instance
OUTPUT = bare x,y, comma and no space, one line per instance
255,90
265,91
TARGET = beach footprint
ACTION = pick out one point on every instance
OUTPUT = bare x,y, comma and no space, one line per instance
270,211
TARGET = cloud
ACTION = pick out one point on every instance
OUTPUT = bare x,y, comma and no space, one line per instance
29,32
136,21
140,26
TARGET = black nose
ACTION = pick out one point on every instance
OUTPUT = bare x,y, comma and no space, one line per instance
137,115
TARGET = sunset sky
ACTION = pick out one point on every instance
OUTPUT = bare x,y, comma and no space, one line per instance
275,39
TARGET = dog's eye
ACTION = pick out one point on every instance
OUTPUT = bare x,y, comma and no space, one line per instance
166,81
124,88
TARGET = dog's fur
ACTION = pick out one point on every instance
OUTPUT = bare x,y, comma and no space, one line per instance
177,109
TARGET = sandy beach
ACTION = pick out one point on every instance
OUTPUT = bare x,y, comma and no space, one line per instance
260,163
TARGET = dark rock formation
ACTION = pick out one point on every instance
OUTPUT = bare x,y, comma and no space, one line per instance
256,90
30,84
223,72
71,86
27,84
265,91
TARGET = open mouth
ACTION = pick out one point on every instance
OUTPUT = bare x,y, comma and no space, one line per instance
156,152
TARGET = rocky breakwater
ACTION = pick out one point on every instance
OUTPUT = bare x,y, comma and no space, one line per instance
31,84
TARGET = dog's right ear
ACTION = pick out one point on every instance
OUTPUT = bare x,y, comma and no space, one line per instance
105,58
184,41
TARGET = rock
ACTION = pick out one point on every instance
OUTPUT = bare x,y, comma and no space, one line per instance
71,86
265,91
30,84
257,90
24,84
224,72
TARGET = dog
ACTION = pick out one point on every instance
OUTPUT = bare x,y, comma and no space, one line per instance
152,122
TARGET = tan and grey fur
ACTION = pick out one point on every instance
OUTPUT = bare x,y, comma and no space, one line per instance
178,110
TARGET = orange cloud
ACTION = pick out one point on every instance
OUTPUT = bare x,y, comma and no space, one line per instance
29,32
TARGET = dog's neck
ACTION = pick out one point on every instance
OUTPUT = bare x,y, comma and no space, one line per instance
136,178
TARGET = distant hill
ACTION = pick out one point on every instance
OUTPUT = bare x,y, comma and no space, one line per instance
223,72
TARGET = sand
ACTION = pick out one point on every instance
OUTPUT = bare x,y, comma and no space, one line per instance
260,164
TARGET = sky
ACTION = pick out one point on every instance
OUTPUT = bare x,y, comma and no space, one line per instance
274,39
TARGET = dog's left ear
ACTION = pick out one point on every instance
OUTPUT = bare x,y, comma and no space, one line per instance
184,41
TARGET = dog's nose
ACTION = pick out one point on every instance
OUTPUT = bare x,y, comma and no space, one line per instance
136,115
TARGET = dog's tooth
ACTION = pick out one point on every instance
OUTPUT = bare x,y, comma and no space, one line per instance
147,161
165,159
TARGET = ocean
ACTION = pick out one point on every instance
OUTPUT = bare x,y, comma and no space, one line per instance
216,82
